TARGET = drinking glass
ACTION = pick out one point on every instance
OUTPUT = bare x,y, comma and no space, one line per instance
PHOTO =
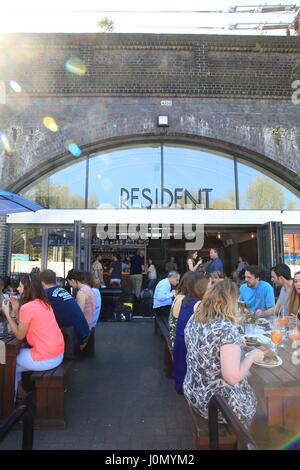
276,336
294,334
283,323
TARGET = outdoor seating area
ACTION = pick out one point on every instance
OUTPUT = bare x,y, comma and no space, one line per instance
150,228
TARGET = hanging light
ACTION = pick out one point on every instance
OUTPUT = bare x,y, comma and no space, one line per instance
219,235
252,235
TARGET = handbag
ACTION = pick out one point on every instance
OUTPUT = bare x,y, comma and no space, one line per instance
72,342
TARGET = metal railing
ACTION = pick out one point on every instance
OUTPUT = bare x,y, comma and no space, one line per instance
25,414
244,439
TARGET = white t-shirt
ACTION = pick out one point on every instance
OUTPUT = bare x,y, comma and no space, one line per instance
152,272
96,267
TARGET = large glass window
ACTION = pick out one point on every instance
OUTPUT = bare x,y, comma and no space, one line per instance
60,251
207,177
64,189
258,190
26,249
125,178
133,177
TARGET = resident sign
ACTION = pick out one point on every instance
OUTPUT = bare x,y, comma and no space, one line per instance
156,198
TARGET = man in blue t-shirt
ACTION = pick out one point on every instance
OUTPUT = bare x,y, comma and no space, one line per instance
66,310
255,293
215,264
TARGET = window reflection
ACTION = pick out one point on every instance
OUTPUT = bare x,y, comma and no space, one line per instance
64,189
26,249
131,177
208,178
257,190
117,179
60,251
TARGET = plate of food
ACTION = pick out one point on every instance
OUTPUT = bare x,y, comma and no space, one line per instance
269,362
262,322
256,340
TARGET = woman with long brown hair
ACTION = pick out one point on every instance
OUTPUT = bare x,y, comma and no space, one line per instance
195,287
181,292
37,323
192,265
214,364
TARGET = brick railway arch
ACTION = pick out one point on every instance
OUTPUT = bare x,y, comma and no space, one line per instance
55,162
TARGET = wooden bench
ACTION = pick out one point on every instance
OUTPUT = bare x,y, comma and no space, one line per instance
227,441
49,393
162,326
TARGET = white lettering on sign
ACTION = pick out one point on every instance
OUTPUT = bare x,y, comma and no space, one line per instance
166,103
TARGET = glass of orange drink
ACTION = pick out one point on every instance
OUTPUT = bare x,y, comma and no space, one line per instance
276,337
294,334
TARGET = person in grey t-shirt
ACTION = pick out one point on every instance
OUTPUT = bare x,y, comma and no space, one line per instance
281,276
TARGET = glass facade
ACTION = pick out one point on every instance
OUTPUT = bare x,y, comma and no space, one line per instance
162,176
207,177
26,249
259,191
64,189
117,179
60,251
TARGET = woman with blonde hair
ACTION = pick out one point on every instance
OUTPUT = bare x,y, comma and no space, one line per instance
214,364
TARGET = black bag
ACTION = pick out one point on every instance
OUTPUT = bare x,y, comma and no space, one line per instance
123,313
146,303
146,294
72,342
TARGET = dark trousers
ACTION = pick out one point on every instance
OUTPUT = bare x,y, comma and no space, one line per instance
163,311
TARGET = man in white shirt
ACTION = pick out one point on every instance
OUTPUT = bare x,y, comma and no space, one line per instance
281,276
164,295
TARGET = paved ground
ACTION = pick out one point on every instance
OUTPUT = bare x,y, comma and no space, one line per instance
120,399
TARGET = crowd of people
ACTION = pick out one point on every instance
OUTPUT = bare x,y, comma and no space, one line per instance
201,307
40,313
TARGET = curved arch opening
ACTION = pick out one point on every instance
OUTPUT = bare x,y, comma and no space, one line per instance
141,172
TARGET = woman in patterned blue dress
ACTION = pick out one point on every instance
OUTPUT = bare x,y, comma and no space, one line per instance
214,364
196,285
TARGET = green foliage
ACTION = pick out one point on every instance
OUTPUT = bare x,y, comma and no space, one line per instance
263,194
106,25
57,196
227,202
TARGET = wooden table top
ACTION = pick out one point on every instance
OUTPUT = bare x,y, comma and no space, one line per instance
286,375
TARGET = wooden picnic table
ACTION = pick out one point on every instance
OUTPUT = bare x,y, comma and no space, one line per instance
7,375
278,391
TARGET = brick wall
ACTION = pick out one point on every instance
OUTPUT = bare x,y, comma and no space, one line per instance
230,93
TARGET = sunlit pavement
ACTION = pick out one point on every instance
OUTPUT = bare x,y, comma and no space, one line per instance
120,399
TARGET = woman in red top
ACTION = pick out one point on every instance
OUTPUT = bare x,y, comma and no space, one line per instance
38,324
